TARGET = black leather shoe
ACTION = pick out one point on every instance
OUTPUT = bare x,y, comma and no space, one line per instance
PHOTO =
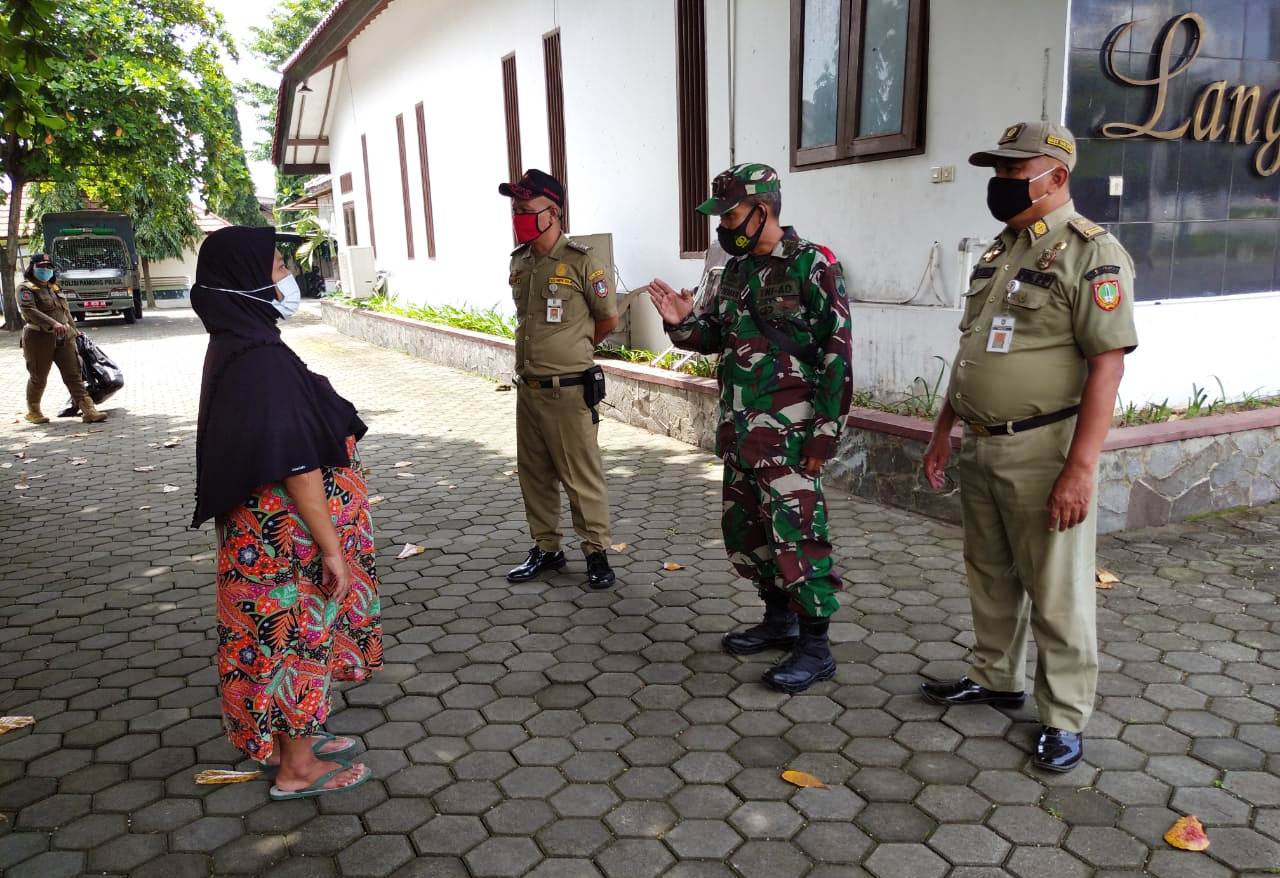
599,573
809,663
779,630
1058,750
535,563
965,691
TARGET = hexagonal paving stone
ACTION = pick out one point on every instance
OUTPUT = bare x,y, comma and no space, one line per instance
503,858
703,839
449,834
1105,847
769,859
766,820
634,858
1027,824
375,855
969,845
896,860
1245,849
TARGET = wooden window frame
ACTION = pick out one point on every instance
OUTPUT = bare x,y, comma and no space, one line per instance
404,186
553,72
849,148
425,169
349,223
691,126
511,109
368,194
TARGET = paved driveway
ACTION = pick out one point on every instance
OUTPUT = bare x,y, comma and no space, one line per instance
542,729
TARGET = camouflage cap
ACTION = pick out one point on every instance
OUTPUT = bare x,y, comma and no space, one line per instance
1027,140
731,186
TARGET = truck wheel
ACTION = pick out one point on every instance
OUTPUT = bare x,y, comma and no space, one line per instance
137,304
129,316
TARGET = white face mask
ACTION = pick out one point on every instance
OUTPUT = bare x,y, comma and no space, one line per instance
288,306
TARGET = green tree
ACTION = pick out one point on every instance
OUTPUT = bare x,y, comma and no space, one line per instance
127,101
287,26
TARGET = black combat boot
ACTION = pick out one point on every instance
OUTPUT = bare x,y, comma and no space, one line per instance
599,573
808,663
779,630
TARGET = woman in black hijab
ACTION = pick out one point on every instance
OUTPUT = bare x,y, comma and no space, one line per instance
278,469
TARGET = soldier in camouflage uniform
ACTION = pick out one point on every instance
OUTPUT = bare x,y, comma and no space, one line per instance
780,323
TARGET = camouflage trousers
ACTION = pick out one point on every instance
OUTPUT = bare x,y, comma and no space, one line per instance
775,531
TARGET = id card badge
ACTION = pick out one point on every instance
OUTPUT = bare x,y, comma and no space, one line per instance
555,310
1001,338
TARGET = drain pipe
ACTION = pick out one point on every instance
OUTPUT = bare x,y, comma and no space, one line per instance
731,20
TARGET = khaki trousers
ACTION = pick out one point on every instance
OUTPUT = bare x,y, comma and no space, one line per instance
41,351
556,444
1021,574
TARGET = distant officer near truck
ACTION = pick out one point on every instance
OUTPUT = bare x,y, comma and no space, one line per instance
48,338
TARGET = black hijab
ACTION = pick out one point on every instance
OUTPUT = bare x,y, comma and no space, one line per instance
263,414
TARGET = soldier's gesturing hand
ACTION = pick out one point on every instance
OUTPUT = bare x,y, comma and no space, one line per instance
673,306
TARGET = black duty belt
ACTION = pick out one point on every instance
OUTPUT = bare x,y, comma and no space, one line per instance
540,383
1008,428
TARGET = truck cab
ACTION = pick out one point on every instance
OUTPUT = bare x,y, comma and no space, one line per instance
97,262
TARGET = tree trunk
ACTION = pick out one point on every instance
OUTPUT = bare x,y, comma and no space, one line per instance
12,320
146,283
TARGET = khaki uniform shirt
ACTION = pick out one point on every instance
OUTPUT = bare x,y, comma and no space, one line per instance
558,297
44,307
1067,285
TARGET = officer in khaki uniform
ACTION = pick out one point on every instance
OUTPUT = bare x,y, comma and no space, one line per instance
48,338
1048,320
564,307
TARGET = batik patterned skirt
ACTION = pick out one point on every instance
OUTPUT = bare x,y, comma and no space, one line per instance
281,641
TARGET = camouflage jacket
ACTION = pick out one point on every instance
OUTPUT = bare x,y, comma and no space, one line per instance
776,407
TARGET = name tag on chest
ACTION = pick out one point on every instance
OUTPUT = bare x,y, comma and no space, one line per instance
555,310
1001,338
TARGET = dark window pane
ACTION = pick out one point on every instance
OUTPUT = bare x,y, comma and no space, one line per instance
884,66
1093,20
1251,256
1098,162
1150,180
819,76
1199,257
1151,246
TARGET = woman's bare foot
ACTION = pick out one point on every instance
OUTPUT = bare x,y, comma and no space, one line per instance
290,779
330,745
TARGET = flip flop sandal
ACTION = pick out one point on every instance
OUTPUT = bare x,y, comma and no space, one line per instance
323,737
318,788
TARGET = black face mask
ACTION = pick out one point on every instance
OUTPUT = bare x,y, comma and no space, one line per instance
735,240
1007,196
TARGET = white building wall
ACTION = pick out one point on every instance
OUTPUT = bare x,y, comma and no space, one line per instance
619,59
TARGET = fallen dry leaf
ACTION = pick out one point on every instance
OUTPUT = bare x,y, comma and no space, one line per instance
170,443
672,565
169,489
144,469
9,723
619,547
409,550
21,455
6,465
77,461
1188,834
143,508
502,387
218,775
803,779
402,464
406,475
376,499
21,487
1105,578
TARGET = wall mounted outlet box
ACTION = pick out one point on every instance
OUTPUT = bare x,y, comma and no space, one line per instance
943,174
1117,186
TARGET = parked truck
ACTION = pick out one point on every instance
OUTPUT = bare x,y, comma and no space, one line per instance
97,262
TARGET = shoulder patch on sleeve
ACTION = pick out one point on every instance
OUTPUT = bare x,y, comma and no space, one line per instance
25,296
577,245
1107,294
1101,270
1086,228
596,275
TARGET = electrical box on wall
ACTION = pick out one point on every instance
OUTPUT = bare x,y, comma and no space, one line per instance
355,267
943,174
1117,186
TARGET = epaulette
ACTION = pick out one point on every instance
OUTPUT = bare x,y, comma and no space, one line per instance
578,245
520,249
1086,228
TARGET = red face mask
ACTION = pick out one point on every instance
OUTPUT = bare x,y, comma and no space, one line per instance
526,225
